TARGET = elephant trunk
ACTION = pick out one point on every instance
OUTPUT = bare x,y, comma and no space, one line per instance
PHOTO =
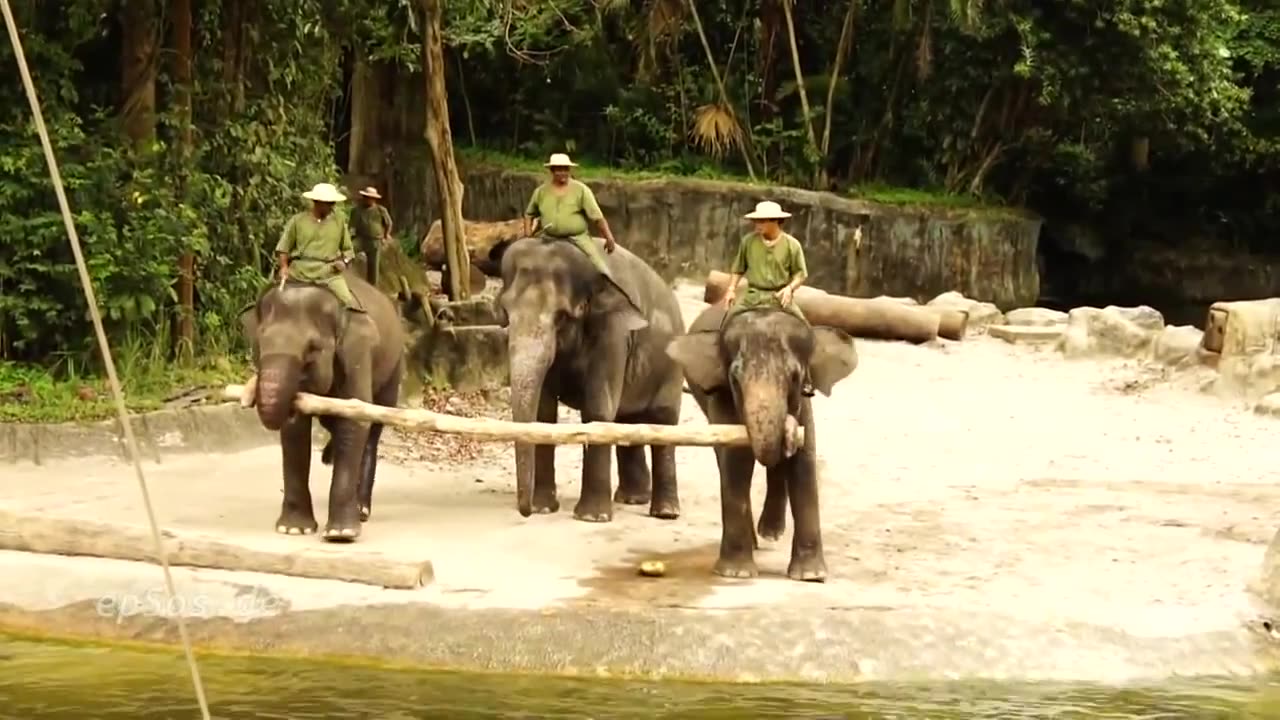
530,357
278,379
764,413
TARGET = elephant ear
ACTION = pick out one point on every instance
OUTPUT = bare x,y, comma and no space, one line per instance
610,299
834,358
249,322
698,355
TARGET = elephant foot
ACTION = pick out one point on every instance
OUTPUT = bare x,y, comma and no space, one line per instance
365,512
344,526
808,569
326,455
626,496
741,569
296,522
665,509
593,511
772,530
545,503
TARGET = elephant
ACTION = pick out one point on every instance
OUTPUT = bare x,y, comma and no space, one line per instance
304,340
598,345
748,368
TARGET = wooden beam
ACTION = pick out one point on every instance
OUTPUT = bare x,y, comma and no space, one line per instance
490,430
75,536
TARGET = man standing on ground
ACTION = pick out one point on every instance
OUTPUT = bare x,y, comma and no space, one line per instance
773,263
371,226
315,246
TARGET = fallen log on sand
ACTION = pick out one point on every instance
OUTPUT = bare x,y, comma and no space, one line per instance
878,318
68,536
490,430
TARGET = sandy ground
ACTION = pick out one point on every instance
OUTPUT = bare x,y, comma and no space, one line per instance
1000,491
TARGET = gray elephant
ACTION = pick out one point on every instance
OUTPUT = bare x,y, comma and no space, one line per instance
749,369
304,340
596,345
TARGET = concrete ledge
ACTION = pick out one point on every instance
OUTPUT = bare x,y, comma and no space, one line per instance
466,358
212,428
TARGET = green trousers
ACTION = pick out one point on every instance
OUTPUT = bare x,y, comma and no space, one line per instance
759,298
318,273
370,249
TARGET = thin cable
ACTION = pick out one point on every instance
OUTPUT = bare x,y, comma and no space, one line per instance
87,284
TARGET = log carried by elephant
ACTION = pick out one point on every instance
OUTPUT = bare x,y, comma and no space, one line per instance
481,238
490,430
876,318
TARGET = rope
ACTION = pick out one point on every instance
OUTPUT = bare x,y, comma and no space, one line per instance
87,284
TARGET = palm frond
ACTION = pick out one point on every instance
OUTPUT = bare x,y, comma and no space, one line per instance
716,130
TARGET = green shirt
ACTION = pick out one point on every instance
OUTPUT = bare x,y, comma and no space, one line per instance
769,268
564,214
370,224
313,245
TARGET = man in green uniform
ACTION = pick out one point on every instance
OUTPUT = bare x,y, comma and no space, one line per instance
371,226
315,246
773,263
561,208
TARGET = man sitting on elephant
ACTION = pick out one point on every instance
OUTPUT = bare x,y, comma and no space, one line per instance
561,208
316,247
773,263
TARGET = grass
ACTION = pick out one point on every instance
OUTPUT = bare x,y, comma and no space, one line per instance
871,192
73,392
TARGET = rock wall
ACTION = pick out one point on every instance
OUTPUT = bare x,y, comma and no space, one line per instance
686,227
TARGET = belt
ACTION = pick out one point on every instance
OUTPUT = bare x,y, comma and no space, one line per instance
765,289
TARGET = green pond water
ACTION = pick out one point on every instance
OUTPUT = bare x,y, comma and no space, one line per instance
41,680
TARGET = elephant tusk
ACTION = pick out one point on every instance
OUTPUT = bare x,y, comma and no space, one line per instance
790,446
249,394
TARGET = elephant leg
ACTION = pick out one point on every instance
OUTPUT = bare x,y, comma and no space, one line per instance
349,441
602,393
296,514
387,396
738,534
634,481
665,503
326,455
773,519
808,561
544,460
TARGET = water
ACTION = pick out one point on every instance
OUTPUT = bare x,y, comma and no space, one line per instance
43,680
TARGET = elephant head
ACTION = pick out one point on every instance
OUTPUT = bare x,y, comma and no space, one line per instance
554,303
760,357
294,335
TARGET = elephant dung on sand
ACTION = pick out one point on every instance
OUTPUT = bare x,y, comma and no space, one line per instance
304,340
749,370
574,337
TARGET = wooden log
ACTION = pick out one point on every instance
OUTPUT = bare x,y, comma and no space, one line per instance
68,536
876,318
490,430
480,236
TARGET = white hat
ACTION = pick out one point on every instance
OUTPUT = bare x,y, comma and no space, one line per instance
324,192
371,192
560,160
767,210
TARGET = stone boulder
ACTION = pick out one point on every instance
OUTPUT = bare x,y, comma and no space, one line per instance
1110,331
1035,316
1242,339
1144,316
1177,346
981,314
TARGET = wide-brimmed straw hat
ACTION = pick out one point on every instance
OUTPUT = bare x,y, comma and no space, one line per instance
559,160
324,192
767,210
371,192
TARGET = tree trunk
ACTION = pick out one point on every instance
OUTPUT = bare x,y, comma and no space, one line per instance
365,156
715,73
182,64
138,70
804,94
443,162
842,51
